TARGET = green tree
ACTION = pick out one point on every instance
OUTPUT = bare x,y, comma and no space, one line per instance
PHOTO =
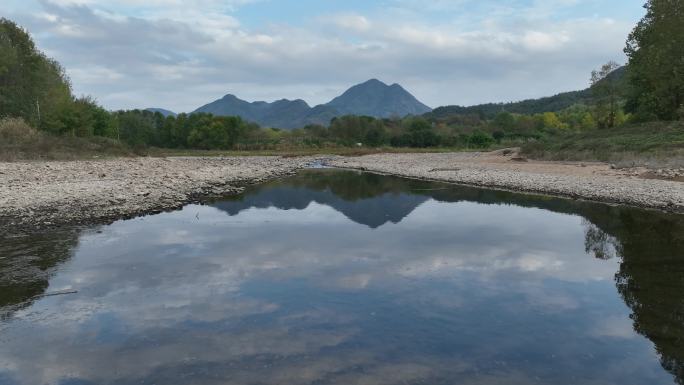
136,128
606,92
418,133
479,139
357,129
655,49
32,86
551,120
588,122
505,121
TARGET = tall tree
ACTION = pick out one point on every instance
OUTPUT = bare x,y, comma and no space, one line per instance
656,62
605,90
32,86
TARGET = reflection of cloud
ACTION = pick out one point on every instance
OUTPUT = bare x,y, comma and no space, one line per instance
294,297
618,326
552,302
538,262
357,281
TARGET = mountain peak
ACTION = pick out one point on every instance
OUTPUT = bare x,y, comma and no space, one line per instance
229,97
373,81
375,98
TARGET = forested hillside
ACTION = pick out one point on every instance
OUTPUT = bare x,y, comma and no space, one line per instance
554,103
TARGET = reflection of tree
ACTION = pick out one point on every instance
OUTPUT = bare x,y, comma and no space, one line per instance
598,243
651,282
651,274
26,264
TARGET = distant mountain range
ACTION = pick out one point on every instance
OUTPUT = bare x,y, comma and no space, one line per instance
377,99
371,98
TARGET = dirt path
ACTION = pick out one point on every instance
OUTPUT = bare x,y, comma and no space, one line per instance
504,170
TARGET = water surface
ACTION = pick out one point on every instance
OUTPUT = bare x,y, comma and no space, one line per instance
338,277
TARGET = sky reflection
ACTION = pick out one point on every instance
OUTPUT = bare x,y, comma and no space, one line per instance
268,293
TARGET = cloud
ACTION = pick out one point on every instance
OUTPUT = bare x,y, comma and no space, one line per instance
352,22
180,55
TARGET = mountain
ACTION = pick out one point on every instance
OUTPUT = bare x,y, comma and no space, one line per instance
162,111
554,103
375,98
287,114
371,98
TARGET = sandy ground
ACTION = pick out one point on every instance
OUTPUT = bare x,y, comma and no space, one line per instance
34,195
659,189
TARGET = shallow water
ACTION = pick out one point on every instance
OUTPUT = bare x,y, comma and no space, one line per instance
338,277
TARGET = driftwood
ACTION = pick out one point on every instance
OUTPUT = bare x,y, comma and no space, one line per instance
63,292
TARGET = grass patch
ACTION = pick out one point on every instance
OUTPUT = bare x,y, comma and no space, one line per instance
654,145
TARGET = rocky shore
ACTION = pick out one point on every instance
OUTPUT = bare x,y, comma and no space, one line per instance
37,195
506,170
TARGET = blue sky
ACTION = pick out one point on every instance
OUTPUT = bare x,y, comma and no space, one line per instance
180,54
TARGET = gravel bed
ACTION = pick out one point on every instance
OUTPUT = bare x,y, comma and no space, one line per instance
36,195
590,181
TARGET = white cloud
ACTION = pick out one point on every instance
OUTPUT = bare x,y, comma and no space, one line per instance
352,22
182,54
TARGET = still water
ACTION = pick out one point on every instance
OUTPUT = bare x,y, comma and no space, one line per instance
338,277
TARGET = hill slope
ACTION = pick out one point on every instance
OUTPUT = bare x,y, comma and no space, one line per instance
531,106
162,111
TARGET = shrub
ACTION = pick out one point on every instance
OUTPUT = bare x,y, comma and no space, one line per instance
14,131
481,139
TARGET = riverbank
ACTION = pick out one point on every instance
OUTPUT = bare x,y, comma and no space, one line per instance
641,187
36,195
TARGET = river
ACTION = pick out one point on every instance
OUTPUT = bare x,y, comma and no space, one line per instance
342,277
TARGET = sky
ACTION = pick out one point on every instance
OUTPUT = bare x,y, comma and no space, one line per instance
181,54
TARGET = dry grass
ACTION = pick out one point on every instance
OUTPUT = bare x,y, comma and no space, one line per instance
653,145
19,141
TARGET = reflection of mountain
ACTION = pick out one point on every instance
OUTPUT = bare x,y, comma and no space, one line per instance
368,199
372,212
